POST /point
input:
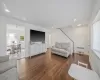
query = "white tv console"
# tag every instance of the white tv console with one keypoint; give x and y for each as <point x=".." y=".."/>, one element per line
<point x="37" y="48"/>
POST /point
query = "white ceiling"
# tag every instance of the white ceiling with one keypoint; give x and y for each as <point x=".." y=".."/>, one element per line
<point x="48" y="13"/>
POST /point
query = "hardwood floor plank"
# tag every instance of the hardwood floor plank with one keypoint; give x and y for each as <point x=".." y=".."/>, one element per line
<point x="48" y="67"/>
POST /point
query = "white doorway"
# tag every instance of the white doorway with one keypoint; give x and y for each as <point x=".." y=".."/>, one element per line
<point x="15" y="41"/>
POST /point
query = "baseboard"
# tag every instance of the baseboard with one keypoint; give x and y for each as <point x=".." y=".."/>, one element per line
<point x="82" y="54"/>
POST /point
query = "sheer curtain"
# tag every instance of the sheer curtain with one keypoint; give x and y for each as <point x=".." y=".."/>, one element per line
<point x="96" y="36"/>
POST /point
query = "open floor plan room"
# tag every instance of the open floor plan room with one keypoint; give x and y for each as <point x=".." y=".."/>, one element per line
<point x="49" y="39"/>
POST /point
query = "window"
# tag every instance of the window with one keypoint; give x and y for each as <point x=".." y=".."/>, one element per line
<point x="96" y="36"/>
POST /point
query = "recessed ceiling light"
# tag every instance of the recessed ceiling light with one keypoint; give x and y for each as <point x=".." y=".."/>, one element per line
<point x="74" y="20"/>
<point x="79" y="24"/>
<point x="7" y="10"/>
<point x="52" y="27"/>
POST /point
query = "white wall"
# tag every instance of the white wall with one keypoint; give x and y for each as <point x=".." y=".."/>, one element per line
<point x="2" y="37"/>
<point x="27" y="32"/>
<point x="78" y="34"/>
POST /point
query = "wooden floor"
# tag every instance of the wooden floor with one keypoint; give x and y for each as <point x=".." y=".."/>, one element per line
<point x="48" y="67"/>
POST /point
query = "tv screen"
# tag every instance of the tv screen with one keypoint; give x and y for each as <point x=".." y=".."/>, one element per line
<point x="37" y="36"/>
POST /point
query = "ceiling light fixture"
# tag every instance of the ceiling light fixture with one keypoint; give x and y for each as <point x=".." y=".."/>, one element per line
<point x="79" y="24"/>
<point x="74" y="20"/>
<point x="7" y="10"/>
<point x="52" y="27"/>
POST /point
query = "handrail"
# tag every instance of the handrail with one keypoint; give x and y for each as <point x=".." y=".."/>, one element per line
<point x="67" y="37"/>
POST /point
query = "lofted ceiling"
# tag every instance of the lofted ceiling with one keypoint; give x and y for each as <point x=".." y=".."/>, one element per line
<point x="49" y="13"/>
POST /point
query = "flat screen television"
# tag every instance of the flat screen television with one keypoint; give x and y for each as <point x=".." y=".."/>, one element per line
<point x="37" y="36"/>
